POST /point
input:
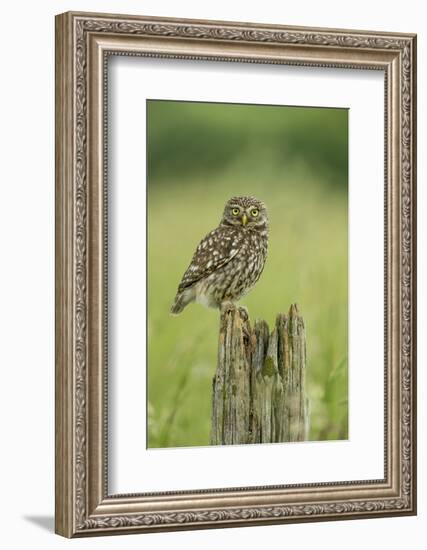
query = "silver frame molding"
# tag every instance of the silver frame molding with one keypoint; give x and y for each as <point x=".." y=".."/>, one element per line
<point x="83" y="43"/>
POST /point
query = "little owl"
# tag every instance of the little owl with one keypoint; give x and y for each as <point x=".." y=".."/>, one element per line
<point x="229" y="260"/>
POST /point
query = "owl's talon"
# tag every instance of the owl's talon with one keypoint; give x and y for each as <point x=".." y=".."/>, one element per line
<point x="244" y="313"/>
<point x="227" y="306"/>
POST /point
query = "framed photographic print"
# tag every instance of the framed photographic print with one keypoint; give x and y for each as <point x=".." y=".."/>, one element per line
<point x="235" y="274"/>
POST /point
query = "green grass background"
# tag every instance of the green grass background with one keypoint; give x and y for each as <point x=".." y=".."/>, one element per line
<point x="295" y="160"/>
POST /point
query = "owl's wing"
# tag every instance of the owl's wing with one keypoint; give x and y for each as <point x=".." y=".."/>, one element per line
<point x="214" y="251"/>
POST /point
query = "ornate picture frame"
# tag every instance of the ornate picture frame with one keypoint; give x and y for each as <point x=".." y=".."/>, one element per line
<point x="84" y="42"/>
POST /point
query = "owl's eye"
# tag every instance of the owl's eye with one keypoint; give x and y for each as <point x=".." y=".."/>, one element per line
<point x="254" y="212"/>
<point x="236" y="211"/>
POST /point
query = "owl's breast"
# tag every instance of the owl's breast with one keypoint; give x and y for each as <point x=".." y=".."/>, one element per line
<point x="238" y="276"/>
<point x="246" y="267"/>
<point x="257" y="244"/>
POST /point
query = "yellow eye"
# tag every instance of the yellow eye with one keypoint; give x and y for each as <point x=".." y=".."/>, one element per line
<point x="236" y="211"/>
<point x="254" y="212"/>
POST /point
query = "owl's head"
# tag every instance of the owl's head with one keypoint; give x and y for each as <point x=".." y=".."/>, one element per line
<point x="247" y="212"/>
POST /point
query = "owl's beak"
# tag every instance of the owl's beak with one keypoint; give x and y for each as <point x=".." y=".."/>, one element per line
<point x="244" y="219"/>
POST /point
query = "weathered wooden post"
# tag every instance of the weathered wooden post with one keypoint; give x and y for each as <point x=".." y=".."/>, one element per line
<point x="258" y="393"/>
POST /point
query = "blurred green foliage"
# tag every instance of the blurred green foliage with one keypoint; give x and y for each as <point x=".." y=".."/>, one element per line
<point x="295" y="160"/>
<point x="205" y="138"/>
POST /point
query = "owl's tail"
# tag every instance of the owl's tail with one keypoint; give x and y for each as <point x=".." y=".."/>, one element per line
<point x="182" y="299"/>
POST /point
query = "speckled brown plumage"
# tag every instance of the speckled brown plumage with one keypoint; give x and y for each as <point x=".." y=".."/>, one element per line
<point x="230" y="259"/>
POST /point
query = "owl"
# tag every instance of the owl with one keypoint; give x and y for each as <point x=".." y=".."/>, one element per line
<point x="229" y="260"/>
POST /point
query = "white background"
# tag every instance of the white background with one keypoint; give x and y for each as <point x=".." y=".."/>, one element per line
<point x="362" y="456"/>
<point x="26" y="299"/>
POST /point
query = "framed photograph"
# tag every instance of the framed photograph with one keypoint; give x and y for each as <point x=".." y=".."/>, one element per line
<point x="235" y="274"/>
